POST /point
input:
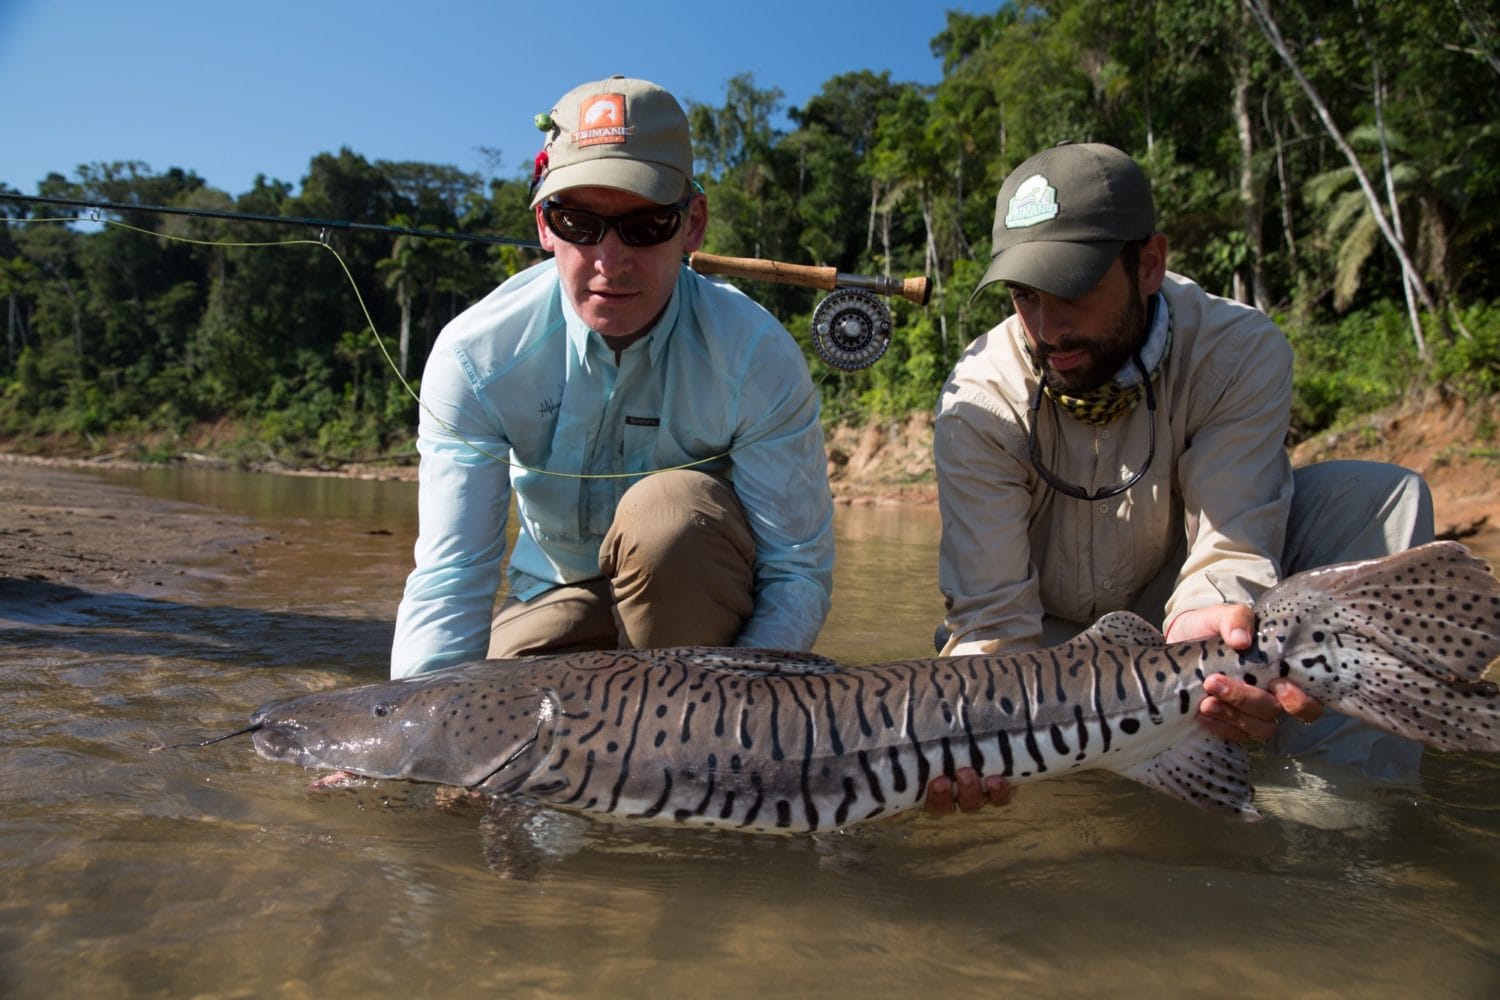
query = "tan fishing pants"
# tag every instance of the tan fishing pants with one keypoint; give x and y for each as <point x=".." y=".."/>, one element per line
<point x="678" y="567"/>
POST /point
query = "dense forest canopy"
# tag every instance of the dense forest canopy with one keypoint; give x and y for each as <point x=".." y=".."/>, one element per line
<point x="1337" y="164"/>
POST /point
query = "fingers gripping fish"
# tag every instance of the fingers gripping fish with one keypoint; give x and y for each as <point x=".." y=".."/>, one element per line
<point x="763" y="740"/>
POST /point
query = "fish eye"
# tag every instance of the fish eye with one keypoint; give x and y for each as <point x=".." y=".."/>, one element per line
<point x="383" y="709"/>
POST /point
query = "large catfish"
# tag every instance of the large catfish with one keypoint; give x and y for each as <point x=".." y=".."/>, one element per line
<point x="763" y="741"/>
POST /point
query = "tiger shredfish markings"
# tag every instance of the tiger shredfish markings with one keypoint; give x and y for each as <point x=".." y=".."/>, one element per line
<point x="770" y="741"/>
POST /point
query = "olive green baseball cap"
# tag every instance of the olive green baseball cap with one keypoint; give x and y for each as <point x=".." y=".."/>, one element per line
<point x="617" y="133"/>
<point x="1062" y="216"/>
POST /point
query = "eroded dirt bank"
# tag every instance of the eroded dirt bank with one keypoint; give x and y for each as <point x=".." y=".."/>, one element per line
<point x="1453" y="446"/>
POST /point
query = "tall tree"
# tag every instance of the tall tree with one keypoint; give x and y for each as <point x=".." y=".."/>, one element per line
<point x="1272" y="31"/>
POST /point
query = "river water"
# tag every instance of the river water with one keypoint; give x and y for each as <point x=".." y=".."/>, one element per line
<point x="127" y="870"/>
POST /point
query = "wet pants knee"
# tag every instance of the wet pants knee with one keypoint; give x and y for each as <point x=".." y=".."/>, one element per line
<point x="677" y="568"/>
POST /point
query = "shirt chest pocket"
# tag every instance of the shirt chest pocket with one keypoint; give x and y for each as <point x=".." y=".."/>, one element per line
<point x="636" y="454"/>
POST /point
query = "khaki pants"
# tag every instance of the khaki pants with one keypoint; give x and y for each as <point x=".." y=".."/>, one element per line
<point x="678" y="566"/>
<point x="1341" y="511"/>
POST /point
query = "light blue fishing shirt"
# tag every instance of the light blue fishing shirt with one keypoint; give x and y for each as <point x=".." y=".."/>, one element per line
<point x="519" y="395"/>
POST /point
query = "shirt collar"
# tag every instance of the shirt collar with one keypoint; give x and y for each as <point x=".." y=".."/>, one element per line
<point x="580" y="336"/>
<point x="1154" y="350"/>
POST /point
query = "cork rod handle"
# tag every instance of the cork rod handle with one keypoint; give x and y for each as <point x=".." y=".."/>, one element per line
<point x="757" y="269"/>
<point x="916" y="290"/>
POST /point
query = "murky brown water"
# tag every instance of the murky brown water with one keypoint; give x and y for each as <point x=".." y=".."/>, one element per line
<point x="209" y="872"/>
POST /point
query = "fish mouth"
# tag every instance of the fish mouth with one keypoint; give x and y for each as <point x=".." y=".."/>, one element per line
<point x="282" y="742"/>
<point x="273" y="741"/>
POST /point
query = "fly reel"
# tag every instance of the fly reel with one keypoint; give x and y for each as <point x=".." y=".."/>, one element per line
<point x="851" y="329"/>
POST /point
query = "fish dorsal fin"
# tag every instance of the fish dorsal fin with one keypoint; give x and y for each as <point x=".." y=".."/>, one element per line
<point x="1202" y="770"/>
<point x="753" y="662"/>
<point x="1125" y="628"/>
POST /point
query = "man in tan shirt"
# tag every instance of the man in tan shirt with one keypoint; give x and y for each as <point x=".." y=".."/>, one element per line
<point x="1118" y="443"/>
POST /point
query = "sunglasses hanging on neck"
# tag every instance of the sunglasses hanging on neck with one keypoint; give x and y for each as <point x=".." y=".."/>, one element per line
<point x="1073" y="489"/>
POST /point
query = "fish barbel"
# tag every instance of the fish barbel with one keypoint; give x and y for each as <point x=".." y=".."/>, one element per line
<point x="771" y="741"/>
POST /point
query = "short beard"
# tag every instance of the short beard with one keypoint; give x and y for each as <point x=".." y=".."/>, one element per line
<point x="1107" y="355"/>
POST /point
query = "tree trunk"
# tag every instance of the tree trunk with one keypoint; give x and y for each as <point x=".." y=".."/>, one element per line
<point x="1408" y="278"/>
<point x="930" y="266"/>
<point x="1272" y="33"/>
<point x="1250" y="196"/>
<point x="403" y="300"/>
<point x="885" y="240"/>
<point x="1288" y="231"/>
<point x="67" y="287"/>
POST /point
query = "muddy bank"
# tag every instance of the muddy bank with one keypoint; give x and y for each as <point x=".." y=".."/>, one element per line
<point x="61" y="525"/>
<point x="1452" y="445"/>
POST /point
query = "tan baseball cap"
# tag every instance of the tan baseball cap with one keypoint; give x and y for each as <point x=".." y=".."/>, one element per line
<point x="616" y="133"/>
<point x="1062" y="216"/>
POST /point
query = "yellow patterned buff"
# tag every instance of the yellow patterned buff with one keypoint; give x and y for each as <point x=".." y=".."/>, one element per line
<point x="1103" y="405"/>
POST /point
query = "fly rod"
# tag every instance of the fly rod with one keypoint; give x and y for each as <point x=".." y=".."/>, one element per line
<point x="851" y="326"/>
<point x="917" y="290"/>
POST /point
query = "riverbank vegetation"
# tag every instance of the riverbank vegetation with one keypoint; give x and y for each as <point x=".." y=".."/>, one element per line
<point x="1336" y="165"/>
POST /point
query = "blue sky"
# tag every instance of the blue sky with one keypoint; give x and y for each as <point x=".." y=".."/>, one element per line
<point x="232" y="89"/>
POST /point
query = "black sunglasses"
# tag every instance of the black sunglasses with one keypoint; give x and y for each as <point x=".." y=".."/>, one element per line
<point x="645" y="227"/>
<point x="1073" y="489"/>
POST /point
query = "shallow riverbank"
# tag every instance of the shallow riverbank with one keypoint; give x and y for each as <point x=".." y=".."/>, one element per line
<point x="67" y="527"/>
<point x="64" y="526"/>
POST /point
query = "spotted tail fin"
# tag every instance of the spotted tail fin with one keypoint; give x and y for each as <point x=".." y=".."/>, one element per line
<point x="1402" y="642"/>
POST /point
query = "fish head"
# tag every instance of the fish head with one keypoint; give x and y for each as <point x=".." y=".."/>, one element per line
<point x="487" y="733"/>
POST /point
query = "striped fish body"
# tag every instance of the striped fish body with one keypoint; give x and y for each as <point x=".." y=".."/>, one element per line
<point x="761" y="740"/>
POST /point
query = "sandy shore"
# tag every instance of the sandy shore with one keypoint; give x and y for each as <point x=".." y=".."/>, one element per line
<point x="59" y="524"/>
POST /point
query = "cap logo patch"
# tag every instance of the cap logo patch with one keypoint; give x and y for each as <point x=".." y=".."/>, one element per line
<point x="1035" y="201"/>
<point x="601" y="119"/>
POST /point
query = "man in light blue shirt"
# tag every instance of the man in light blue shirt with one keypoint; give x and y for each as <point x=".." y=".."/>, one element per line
<point x="659" y="431"/>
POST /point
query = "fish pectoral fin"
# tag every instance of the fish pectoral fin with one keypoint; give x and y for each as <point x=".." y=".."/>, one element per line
<point x="1202" y="770"/>
<point x="520" y="837"/>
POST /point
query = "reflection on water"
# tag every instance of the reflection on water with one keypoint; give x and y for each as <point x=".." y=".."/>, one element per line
<point x="129" y="870"/>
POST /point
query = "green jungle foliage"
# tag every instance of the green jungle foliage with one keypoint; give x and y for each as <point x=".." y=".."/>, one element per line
<point x="1307" y="179"/>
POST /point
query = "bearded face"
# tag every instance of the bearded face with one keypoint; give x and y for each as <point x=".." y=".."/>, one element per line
<point x="1105" y="354"/>
<point x="1079" y="344"/>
